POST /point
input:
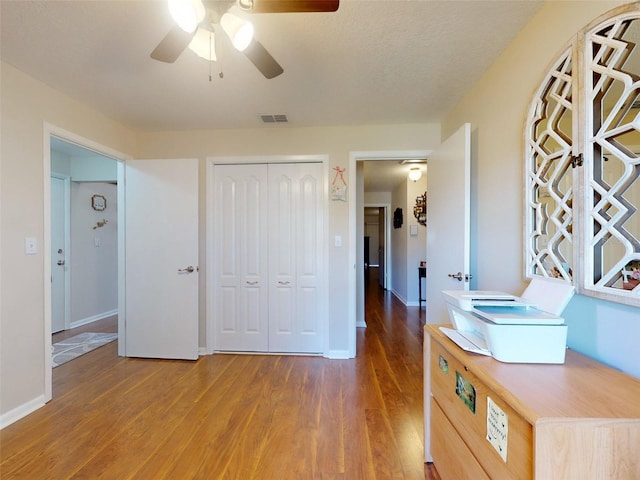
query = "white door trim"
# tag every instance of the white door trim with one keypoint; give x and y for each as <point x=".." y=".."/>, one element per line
<point x="67" y="244"/>
<point x="49" y="131"/>
<point x="358" y="156"/>
<point x="210" y="235"/>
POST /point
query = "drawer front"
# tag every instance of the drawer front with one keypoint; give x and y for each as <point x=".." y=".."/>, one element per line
<point x="463" y="399"/>
<point x="452" y="458"/>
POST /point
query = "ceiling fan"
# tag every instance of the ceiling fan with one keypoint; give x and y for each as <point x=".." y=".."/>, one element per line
<point x="195" y="21"/>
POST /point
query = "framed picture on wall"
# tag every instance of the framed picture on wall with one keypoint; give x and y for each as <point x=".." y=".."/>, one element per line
<point x="98" y="202"/>
<point x="397" y="218"/>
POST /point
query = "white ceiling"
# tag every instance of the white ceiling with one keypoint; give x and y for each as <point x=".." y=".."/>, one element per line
<point x="371" y="62"/>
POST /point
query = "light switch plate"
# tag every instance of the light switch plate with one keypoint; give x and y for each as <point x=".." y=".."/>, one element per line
<point x="30" y="246"/>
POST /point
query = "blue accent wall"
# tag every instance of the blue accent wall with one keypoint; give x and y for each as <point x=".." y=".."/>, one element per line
<point x="606" y="331"/>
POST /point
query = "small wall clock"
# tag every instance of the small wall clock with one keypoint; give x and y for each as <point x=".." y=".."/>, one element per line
<point x="98" y="202"/>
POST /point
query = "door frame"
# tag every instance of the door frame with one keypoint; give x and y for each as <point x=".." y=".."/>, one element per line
<point x="210" y="235"/>
<point x="67" y="242"/>
<point x="49" y="131"/>
<point x="356" y="275"/>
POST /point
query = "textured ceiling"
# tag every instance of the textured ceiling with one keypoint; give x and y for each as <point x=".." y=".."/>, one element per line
<point x="372" y="62"/>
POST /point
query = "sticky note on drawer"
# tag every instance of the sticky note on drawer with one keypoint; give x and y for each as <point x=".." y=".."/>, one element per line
<point x="497" y="428"/>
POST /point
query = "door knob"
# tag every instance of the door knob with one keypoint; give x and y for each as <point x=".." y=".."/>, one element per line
<point x="60" y="262"/>
<point x="458" y="276"/>
<point x="189" y="269"/>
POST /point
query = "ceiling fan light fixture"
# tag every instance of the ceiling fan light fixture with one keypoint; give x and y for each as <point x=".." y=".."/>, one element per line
<point x="415" y="173"/>
<point x="239" y="31"/>
<point x="204" y="44"/>
<point x="187" y="13"/>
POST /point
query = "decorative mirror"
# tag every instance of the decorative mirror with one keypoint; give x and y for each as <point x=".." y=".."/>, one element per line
<point x="582" y="164"/>
<point x="612" y="152"/>
<point x="420" y="209"/>
<point x="549" y="179"/>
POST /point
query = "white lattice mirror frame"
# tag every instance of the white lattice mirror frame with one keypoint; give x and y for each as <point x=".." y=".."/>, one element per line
<point x="582" y="163"/>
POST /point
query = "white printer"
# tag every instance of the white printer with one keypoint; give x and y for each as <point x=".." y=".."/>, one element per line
<point x="524" y="329"/>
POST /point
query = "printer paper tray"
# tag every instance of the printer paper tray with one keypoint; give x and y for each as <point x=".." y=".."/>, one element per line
<point x="470" y="342"/>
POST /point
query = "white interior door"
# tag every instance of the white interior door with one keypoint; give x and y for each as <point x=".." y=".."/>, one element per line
<point x="241" y="258"/>
<point x="295" y="257"/>
<point x="448" y="221"/>
<point x="59" y="245"/>
<point x="161" y="258"/>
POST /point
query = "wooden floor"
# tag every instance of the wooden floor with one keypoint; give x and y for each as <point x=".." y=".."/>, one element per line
<point x="235" y="416"/>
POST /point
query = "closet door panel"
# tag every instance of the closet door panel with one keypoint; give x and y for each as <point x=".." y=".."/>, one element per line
<point x="241" y="258"/>
<point x="282" y="246"/>
<point x="296" y="217"/>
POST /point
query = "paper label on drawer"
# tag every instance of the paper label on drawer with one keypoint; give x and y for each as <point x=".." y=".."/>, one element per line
<point x="497" y="428"/>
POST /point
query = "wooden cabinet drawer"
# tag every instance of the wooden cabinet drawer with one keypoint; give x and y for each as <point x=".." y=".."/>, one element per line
<point x="463" y="399"/>
<point x="450" y="454"/>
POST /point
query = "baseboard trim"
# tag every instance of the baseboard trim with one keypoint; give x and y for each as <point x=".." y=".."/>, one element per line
<point x="399" y="297"/>
<point x="22" y="411"/>
<point x="338" y="355"/>
<point x="93" y="318"/>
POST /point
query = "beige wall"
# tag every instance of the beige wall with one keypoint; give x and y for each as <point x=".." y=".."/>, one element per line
<point x="94" y="268"/>
<point x="399" y="236"/>
<point x="26" y="105"/>
<point x="416" y="246"/>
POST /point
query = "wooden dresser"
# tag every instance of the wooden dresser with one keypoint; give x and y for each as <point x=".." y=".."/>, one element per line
<point x="487" y="419"/>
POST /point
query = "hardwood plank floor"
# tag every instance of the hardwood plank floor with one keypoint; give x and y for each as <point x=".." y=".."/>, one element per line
<point x="235" y="416"/>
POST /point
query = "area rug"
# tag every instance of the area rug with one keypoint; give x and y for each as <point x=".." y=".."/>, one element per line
<point x="72" y="347"/>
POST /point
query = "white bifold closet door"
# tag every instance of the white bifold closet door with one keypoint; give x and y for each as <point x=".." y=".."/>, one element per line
<point x="241" y="260"/>
<point x="295" y="254"/>
<point x="268" y="260"/>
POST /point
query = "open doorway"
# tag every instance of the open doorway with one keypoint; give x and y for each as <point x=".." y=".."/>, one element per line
<point x="357" y="202"/>
<point x="81" y="246"/>
<point x="377" y="244"/>
<point x="84" y="250"/>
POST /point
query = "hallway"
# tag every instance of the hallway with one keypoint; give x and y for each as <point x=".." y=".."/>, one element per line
<point x="236" y="416"/>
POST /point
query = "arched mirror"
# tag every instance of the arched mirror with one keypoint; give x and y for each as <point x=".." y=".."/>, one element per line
<point x="582" y="163"/>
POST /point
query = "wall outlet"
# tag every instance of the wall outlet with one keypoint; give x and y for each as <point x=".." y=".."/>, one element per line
<point x="97" y="242"/>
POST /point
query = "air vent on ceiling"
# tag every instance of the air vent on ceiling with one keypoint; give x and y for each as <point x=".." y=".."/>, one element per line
<point x="279" y="118"/>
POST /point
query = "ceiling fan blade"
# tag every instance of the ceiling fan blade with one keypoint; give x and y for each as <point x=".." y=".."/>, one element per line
<point x="263" y="60"/>
<point x="294" y="6"/>
<point x="172" y="45"/>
